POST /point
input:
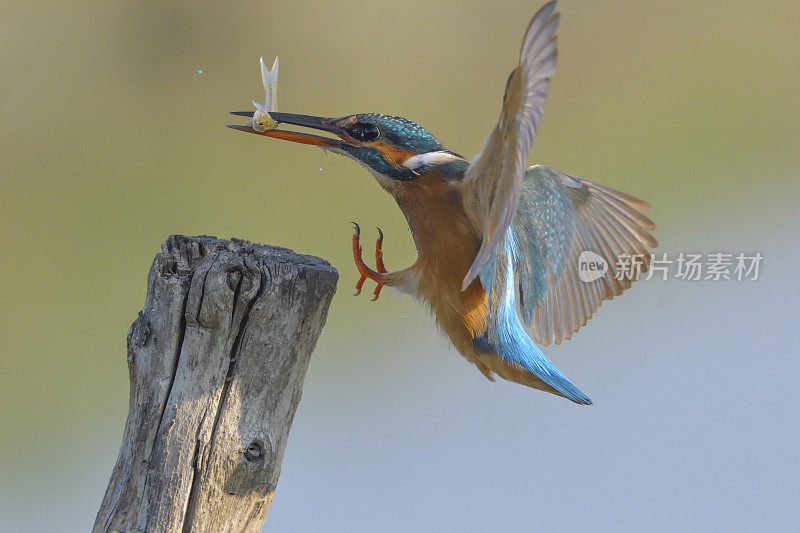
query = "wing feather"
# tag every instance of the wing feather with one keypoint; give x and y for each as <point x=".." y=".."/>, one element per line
<point x="569" y="216"/>
<point x="494" y="179"/>
<point x="548" y="217"/>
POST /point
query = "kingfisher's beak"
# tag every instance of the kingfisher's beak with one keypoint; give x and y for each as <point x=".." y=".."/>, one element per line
<point x="306" y="121"/>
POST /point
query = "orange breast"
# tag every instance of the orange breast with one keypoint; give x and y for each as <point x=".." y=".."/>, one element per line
<point x="447" y="245"/>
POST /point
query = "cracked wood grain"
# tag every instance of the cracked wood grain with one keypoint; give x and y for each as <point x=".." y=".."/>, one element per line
<point x="217" y="359"/>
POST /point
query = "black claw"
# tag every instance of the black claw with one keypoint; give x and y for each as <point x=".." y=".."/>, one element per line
<point x="358" y="230"/>
<point x="380" y="234"/>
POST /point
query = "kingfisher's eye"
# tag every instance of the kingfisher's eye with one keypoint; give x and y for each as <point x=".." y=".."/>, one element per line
<point x="365" y="132"/>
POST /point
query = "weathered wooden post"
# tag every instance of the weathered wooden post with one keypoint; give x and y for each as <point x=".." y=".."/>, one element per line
<point x="217" y="359"/>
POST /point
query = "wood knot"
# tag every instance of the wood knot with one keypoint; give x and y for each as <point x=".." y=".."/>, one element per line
<point x="254" y="452"/>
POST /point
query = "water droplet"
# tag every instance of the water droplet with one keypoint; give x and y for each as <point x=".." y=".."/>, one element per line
<point x="320" y="169"/>
<point x="200" y="71"/>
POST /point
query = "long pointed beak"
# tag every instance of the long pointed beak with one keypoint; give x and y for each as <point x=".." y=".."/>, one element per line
<point x="306" y="121"/>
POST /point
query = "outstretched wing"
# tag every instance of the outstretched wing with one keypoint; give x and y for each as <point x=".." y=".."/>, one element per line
<point x="492" y="182"/>
<point x="559" y="218"/>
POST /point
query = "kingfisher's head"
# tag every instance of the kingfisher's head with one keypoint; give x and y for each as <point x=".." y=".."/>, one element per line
<point x="392" y="148"/>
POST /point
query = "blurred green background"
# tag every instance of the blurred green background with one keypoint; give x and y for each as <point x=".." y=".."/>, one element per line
<point x="112" y="138"/>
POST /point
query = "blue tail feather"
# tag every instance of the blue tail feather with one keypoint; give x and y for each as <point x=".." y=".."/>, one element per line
<point x="507" y="337"/>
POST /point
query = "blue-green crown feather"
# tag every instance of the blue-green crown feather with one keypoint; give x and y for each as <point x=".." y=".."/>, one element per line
<point x="402" y="132"/>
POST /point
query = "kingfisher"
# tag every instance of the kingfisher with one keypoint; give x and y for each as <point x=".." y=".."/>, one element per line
<point x="499" y="245"/>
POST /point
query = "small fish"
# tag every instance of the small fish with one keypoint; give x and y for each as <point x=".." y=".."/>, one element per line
<point x="261" y="119"/>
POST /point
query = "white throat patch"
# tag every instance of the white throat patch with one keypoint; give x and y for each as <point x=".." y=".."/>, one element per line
<point x="430" y="159"/>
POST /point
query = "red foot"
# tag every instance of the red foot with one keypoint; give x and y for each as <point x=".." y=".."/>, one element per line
<point x="363" y="269"/>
